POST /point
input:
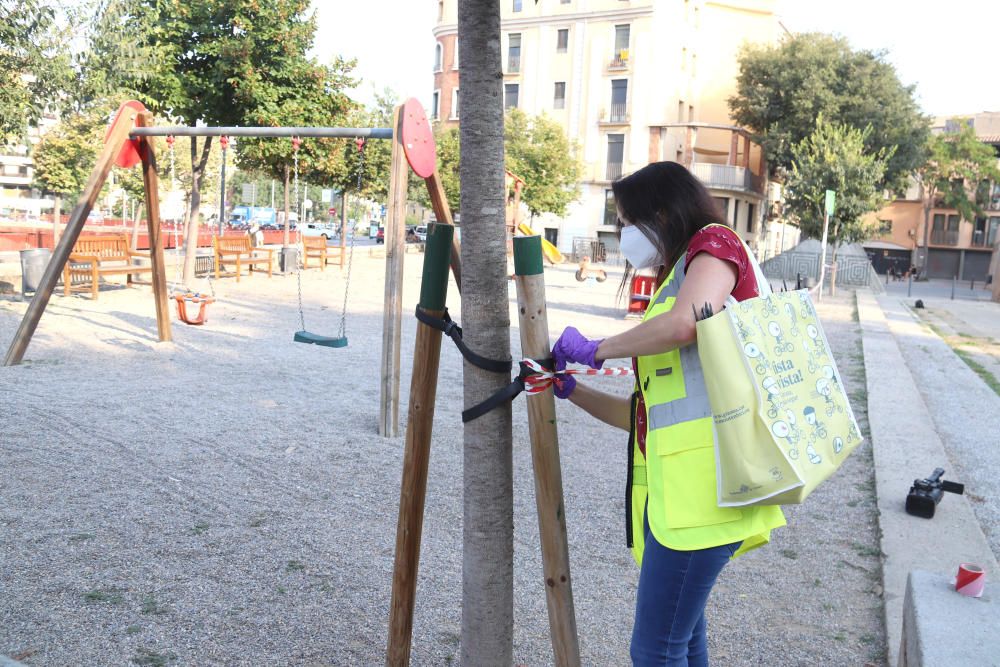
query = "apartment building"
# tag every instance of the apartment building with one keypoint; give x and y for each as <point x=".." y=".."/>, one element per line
<point x="631" y="81"/>
<point x="18" y="199"/>
<point x="951" y="247"/>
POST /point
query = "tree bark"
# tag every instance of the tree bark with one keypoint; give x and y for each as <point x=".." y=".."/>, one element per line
<point x="487" y="566"/>
<point x="197" y="172"/>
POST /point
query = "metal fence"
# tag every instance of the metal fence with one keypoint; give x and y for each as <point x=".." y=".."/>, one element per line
<point x="851" y="271"/>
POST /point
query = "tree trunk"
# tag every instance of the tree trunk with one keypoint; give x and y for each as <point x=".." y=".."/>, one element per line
<point x="56" y="219"/>
<point x="197" y="172"/>
<point x="487" y="566"/>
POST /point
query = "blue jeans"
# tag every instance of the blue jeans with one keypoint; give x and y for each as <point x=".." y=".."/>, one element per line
<point x="674" y="585"/>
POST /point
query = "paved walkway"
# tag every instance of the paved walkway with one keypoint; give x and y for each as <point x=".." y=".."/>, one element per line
<point x="928" y="409"/>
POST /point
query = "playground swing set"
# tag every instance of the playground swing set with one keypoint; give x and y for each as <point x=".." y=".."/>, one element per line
<point x="127" y="144"/>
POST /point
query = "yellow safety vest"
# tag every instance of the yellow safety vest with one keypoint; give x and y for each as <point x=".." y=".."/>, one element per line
<point x="675" y="481"/>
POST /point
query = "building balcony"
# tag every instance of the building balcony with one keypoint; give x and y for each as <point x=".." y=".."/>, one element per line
<point x="619" y="62"/>
<point x="616" y="114"/>
<point x="613" y="171"/>
<point x="728" y="177"/>
<point x="944" y="237"/>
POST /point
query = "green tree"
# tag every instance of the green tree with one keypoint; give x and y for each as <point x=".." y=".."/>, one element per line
<point x="538" y="150"/>
<point x="34" y="67"/>
<point x="834" y="157"/>
<point x="782" y="89"/>
<point x="237" y="62"/>
<point x="64" y="158"/>
<point x="957" y="164"/>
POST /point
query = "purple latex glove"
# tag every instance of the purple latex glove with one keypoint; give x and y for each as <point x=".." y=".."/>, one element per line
<point x="563" y="385"/>
<point x="574" y="347"/>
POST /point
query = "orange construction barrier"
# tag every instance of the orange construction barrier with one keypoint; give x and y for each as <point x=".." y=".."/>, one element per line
<point x="640" y="292"/>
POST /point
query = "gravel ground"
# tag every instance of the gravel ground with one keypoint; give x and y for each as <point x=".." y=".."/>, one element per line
<point x="966" y="419"/>
<point x="223" y="499"/>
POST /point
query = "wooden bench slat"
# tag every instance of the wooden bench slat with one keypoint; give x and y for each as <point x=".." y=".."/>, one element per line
<point x="96" y="256"/>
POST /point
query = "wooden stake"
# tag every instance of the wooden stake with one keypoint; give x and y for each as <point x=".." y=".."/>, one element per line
<point x="534" y="328"/>
<point x="151" y="185"/>
<point x="388" y="423"/>
<point x="439" y="202"/>
<point x="117" y="135"/>
<point x="423" y="391"/>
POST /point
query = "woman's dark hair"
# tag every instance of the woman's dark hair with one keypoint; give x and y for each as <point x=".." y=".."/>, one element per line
<point x="668" y="204"/>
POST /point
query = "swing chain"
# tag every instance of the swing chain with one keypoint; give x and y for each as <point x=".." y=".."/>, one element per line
<point x="300" y="266"/>
<point x="350" y="256"/>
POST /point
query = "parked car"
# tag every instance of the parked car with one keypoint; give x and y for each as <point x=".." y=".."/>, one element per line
<point x="421" y="231"/>
<point x="380" y="235"/>
<point x="317" y="229"/>
<point x="95" y="217"/>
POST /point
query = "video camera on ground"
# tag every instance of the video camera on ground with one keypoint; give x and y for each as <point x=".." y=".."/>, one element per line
<point x="925" y="494"/>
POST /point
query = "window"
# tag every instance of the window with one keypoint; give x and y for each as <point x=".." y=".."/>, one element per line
<point x="517" y="5"/>
<point x="610" y="211"/>
<point x="690" y="113"/>
<point x="619" y="95"/>
<point x="510" y="91"/>
<point x="435" y="104"/>
<point x="616" y="155"/>
<point x="750" y="219"/>
<point x="621" y="38"/>
<point x="514" y="53"/>
<point x="562" y="40"/>
<point x="559" y="98"/>
<point x="680" y="111"/>
<point x="438" y="56"/>
<point x="552" y="235"/>
<point x="945" y="229"/>
<point x="736" y="214"/>
<point x="993" y="232"/>
<point x="454" y="104"/>
<point x="723" y="204"/>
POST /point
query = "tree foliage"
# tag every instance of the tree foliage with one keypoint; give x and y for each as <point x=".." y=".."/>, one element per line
<point x="34" y="67"/>
<point x="782" y="89"/>
<point x="536" y="148"/>
<point x="834" y="157"/>
<point x="66" y="155"/>
<point x="957" y="163"/>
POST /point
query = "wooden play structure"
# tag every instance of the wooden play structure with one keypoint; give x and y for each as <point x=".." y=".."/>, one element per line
<point x="239" y="250"/>
<point x="128" y="143"/>
<point x="587" y="271"/>
<point x="95" y="256"/>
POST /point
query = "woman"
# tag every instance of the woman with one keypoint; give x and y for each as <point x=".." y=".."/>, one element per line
<point x="680" y="537"/>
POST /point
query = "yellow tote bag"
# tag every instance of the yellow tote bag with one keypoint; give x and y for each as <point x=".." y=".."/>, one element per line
<point x="782" y="420"/>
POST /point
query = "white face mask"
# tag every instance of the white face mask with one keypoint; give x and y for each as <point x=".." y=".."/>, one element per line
<point x="637" y="249"/>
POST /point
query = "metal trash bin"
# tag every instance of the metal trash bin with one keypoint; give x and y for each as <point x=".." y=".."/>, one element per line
<point x="33" y="263"/>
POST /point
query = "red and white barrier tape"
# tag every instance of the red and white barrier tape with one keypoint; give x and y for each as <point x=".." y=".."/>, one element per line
<point x="542" y="380"/>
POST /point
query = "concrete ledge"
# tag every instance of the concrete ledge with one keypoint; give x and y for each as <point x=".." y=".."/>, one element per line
<point x="944" y="628"/>
<point x="905" y="446"/>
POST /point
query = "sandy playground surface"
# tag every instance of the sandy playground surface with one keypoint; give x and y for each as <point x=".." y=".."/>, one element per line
<point x="224" y="498"/>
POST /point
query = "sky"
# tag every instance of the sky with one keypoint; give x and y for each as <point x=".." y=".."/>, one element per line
<point x="947" y="49"/>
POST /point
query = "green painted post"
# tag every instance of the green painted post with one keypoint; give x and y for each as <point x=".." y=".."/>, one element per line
<point x="416" y="454"/>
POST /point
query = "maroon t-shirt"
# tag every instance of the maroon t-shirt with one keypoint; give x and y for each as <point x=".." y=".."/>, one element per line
<point x="721" y="242"/>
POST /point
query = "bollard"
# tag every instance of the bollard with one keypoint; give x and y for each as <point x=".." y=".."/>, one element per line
<point x="909" y="284"/>
<point x="954" y="279"/>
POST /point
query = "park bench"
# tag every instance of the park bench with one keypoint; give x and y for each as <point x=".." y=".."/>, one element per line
<point x="240" y="250"/>
<point x="96" y="256"/>
<point x="316" y="247"/>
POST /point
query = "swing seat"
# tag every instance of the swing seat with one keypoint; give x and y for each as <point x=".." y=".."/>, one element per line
<point x="316" y="339"/>
<point x="193" y="297"/>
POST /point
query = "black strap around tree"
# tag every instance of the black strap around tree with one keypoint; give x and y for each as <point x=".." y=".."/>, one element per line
<point x="451" y="329"/>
